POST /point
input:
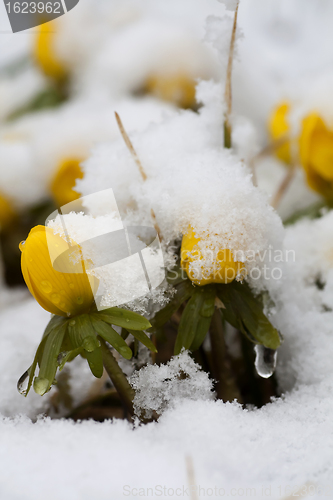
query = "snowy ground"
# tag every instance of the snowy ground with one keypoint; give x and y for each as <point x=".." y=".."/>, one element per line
<point x="237" y="453"/>
<point x="285" y="447"/>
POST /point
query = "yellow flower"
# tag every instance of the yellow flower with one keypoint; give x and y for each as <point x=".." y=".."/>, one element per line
<point x="208" y="266"/>
<point x="178" y="89"/>
<point x="315" y="148"/>
<point x="7" y="213"/>
<point x="64" y="181"/>
<point x="316" y="154"/>
<point x="66" y="293"/>
<point x="45" y="54"/>
<point x="279" y="127"/>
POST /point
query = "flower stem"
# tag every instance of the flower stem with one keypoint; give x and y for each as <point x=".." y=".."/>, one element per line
<point x="228" y="89"/>
<point x="117" y="377"/>
<point x="226" y="386"/>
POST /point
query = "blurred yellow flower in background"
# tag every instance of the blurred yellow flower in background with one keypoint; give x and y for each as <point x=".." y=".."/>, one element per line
<point x="316" y="154"/>
<point x="278" y="128"/>
<point x="45" y="53"/>
<point x="64" y="181"/>
<point x="315" y="148"/>
<point x="7" y="212"/>
<point x="66" y="293"/>
<point x="213" y="267"/>
<point x="178" y="89"/>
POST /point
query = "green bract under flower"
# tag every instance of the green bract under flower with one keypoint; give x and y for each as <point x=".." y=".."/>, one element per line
<point x="66" y="338"/>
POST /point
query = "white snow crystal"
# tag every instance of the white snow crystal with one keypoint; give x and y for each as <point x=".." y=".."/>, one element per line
<point x="160" y="387"/>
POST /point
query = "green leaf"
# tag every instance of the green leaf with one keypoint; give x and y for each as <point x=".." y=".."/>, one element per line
<point x="123" y="318"/>
<point x="95" y="361"/>
<point x="48" y="98"/>
<point x="54" y="322"/>
<point x="82" y="333"/>
<point x="314" y="211"/>
<point x="196" y="318"/>
<point x="144" y="339"/>
<point x="49" y="359"/>
<point x="86" y="332"/>
<point x="112" y="337"/>
<point x="183" y="292"/>
<point x="206" y="313"/>
<point x="32" y="369"/>
<point x="74" y="334"/>
<point x="244" y="311"/>
<point x="69" y="356"/>
<point x="176" y="275"/>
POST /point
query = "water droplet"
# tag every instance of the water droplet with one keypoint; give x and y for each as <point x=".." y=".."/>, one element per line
<point x="41" y="385"/>
<point x="265" y="361"/>
<point x="22" y="384"/>
<point x="61" y="357"/>
<point x="21" y="245"/>
<point x="46" y="286"/>
<point x="72" y="322"/>
<point x="127" y="320"/>
<point x="71" y="286"/>
<point x="55" y="298"/>
<point x="79" y="300"/>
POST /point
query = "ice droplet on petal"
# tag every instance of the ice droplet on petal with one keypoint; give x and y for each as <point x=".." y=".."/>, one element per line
<point x="265" y="361"/>
<point x="22" y="384"/>
<point x="46" y="286"/>
<point x="55" y="298"/>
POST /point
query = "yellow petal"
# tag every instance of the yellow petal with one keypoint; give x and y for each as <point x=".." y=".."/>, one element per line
<point x="65" y="293"/>
<point x="7" y="212"/>
<point x="221" y="268"/>
<point x="316" y="154"/>
<point x="45" y="52"/>
<point x="64" y="181"/>
<point x="278" y="127"/>
<point x="178" y="89"/>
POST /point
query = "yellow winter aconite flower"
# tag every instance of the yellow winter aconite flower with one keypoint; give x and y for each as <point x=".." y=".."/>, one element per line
<point x="64" y="181"/>
<point x="208" y="266"/>
<point x="315" y="148"/>
<point x="316" y="154"/>
<point x="279" y="127"/>
<point x="66" y="293"/>
<point x="45" y="53"/>
<point x="7" y="212"/>
<point x="178" y="89"/>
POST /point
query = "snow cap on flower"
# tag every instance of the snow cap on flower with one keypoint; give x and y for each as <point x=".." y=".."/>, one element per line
<point x="191" y="180"/>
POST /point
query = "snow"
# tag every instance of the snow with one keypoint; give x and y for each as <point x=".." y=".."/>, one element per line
<point x="191" y="181"/>
<point x="174" y="155"/>
<point x="34" y="146"/>
<point x="159" y="387"/>
<point x="276" y="447"/>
